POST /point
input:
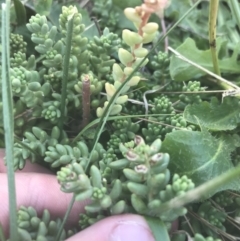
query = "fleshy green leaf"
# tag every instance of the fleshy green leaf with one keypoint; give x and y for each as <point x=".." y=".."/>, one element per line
<point x="43" y="7"/>
<point x="181" y="70"/>
<point x="158" y="228"/>
<point x="200" y="156"/>
<point x="20" y="12"/>
<point x="213" y="115"/>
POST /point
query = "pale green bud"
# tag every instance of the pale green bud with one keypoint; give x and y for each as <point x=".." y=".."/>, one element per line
<point x="34" y="86"/>
<point x="110" y="89"/>
<point x="44" y="29"/>
<point x="122" y="99"/>
<point x="134" y="81"/>
<point x="119" y="164"/>
<point x="96" y="177"/>
<point x="155" y="146"/>
<point x="116" y="110"/>
<point x="117" y="85"/>
<point x="138" y="204"/>
<point x="65" y="159"/>
<point x="158" y="179"/>
<point x="140" y="52"/>
<point x="37" y="40"/>
<point x="116" y="189"/>
<point x="99" y="112"/>
<point x="133" y="176"/>
<point x="118" y="208"/>
<point x="124" y="56"/>
<point x="128" y="70"/>
<point x="117" y="72"/>
<point x="41" y="49"/>
<point x="148" y="38"/>
<point x="137" y="62"/>
<point x="154" y="204"/>
<point x="93" y="207"/>
<point x="106" y="202"/>
<point x="123" y="148"/>
<point x="150" y="28"/>
<point x="48" y="43"/>
<point x="84" y="195"/>
<point x="132" y="15"/>
<point x="131" y="38"/>
<point x="137" y="188"/>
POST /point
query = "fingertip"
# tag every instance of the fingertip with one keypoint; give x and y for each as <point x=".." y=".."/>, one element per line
<point x="116" y="228"/>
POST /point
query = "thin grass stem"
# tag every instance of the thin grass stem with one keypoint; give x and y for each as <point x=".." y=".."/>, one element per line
<point x="85" y="101"/>
<point x="65" y="219"/>
<point x="65" y="71"/>
<point x="8" y="119"/>
<point x="235" y="9"/>
<point x="225" y="84"/>
<point x="213" y="11"/>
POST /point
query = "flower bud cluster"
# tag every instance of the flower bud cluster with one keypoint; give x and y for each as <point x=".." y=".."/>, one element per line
<point x="108" y="13"/>
<point x="167" y="121"/>
<point x="159" y="63"/>
<point x="192" y="86"/>
<point x="199" y="237"/>
<point x="212" y="215"/>
<point x="18" y="59"/>
<point x="224" y="199"/>
<point x="17" y="44"/>
<point x="25" y="84"/>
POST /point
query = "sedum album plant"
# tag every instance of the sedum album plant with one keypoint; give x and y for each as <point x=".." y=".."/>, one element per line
<point x="120" y="121"/>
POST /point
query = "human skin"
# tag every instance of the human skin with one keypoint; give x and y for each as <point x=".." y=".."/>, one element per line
<point x="38" y="187"/>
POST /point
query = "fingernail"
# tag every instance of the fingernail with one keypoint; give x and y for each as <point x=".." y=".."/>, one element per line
<point x="129" y="231"/>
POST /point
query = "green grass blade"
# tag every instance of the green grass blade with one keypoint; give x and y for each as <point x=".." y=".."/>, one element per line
<point x="235" y="9"/>
<point x="65" y="71"/>
<point x="8" y="120"/>
<point x="65" y="219"/>
<point x="158" y="228"/>
<point x="20" y="12"/>
<point x="63" y="102"/>
<point x="2" y="237"/>
<point x="110" y="118"/>
<point x="106" y="113"/>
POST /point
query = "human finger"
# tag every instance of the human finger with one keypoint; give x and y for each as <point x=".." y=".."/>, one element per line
<point x="29" y="167"/>
<point x="126" y="227"/>
<point x="40" y="191"/>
